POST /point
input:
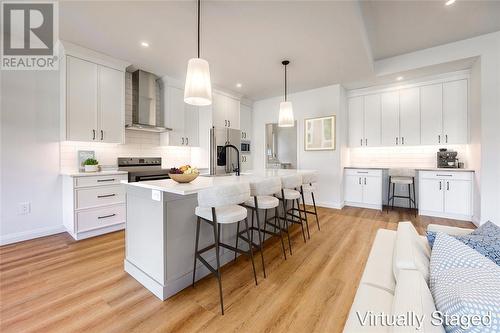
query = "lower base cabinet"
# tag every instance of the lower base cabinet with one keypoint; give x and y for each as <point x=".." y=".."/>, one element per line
<point x="363" y="188"/>
<point x="93" y="205"/>
<point x="446" y="194"/>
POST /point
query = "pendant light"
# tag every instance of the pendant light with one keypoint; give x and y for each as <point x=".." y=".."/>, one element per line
<point x="286" y="112"/>
<point x="198" y="89"/>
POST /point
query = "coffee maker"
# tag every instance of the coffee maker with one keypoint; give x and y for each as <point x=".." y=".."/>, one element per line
<point x="447" y="158"/>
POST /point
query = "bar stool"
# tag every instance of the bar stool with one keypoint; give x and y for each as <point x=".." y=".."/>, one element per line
<point x="262" y="198"/>
<point x="401" y="176"/>
<point x="309" y="179"/>
<point x="218" y="206"/>
<point x="289" y="185"/>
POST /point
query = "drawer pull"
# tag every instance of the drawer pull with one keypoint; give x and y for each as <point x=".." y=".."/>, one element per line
<point x="444" y="175"/>
<point x="362" y="171"/>
<point x="106" y="195"/>
<point x="106" y="180"/>
<point x="106" y="216"/>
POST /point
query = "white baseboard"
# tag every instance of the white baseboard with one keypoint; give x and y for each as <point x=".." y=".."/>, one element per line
<point x="31" y="234"/>
<point x="446" y="215"/>
<point x="334" y="205"/>
<point x="363" y="205"/>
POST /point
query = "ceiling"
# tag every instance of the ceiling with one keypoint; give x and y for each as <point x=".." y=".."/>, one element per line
<point x="327" y="42"/>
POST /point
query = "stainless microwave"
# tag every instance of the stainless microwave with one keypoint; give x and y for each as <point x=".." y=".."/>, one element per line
<point x="245" y="147"/>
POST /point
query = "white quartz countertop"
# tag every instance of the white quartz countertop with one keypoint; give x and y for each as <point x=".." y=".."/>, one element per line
<point x="89" y="174"/>
<point x="417" y="168"/>
<point x="203" y="182"/>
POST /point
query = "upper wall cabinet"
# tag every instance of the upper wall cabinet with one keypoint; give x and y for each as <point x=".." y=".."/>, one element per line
<point x="225" y="111"/>
<point x="364" y="121"/>
<point x="444" y="113"/>
<point x="426" y="113"/>
<point x="182" y="118"/>
<point x="92" y="96"/>
<point x="246" y="122"/>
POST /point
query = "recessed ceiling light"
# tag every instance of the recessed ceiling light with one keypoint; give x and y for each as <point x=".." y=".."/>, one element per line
<point x="238" y="85"/>
<point x="144" y="44"/>
<point x="450" y="2"/>
<point x="399" y="78"/>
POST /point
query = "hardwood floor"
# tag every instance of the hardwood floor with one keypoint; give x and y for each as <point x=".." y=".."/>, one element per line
<point x="54" y="284"/>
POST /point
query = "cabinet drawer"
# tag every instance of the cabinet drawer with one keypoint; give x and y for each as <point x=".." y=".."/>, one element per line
<point x="100" y="217"/>
<point x="99" y="180"/>
<point x="364" y="172"/>
<point x="99" y="196"/>
<point x="445" y="175"/>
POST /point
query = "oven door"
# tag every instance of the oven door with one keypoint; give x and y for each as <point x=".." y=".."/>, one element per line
<point x="150" y="177"/>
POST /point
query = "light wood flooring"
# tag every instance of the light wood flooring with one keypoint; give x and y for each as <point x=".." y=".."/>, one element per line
<point x="54" y="284"/>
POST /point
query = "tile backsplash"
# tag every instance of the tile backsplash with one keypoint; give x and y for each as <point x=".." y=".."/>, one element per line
<point x="404" y="157"/>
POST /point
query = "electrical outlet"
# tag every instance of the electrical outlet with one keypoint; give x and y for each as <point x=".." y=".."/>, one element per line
<point x="23" y="208"/>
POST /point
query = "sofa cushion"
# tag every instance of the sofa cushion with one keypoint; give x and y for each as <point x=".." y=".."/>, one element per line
<point x="378" y="269"/>
<point x="455" y="231"/>
<point x="485" y="240"/>
<point x="412" y="296"/>
<point x="464" y="283"/>
<point x="411" y="251"/>
<point x="368" y="300"/>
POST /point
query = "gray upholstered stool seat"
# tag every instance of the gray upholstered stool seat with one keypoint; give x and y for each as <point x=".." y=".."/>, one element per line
<point x="402" y="180"/>
<point x="309" y="187"/>
<point x="225" y="214"/>
<point x="405" y="177"/>
<point x="309" y="180"/>
<point x="264" y="202"/>
<point x="289" y="194"/>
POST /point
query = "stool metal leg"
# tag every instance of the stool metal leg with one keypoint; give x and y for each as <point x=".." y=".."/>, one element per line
<point x="414" y="197"/>
<point x="260" y="237"/>
<point x="251" y="250"/>
<point x="216" y="236"/>
<point x="393" y="193"/>
<point x="389" y="195"/>
<point x="237" y="237"/>
<point x="314" y="205"/>
<point x="196" y="247"/>
<point x="409" y="196"/>
<point x="285" y="221"/>
<point x="277" y="220"/>
<point x="305" y="217"/>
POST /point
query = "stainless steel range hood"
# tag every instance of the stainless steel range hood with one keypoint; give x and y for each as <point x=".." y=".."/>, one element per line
<point x="147" y="113"/>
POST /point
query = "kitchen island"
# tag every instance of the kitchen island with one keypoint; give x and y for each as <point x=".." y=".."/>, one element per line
<point x="161" y="225"/>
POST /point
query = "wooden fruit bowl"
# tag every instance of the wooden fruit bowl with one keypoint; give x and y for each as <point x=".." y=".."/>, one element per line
<point x="183" y="177"/>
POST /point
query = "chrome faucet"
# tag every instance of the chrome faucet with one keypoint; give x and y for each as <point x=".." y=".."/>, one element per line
<point x="237" y="170"/>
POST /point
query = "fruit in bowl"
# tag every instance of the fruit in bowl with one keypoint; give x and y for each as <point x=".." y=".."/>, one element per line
<point x="184" y="174"/>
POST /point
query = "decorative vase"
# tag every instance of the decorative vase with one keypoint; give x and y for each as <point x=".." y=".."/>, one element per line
<point x="91" y="168"/>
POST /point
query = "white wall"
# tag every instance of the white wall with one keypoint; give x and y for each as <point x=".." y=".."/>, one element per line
<point x="30" y="154"/>
<point x="308" y="104"/>
<point x="487" y="47"/>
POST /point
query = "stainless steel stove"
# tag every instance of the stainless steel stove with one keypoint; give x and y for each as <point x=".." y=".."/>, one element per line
<point x="142" y="168"/>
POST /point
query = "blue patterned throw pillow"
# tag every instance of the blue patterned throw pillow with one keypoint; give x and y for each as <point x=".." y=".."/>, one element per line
<point x="485" y="240"/>
<point x="464" y="284"/>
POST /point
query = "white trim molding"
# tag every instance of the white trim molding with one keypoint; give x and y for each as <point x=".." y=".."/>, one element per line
<point x="30" y="234"/>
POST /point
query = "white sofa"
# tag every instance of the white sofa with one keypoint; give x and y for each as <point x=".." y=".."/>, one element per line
<point x="394" y="282"/>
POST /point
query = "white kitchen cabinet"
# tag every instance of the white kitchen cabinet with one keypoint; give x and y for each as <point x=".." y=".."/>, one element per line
<point x="455" y="125"/>
<point x="389" y="109"/>
<point x="245" y="162"/>
<point x="111" y="104"/>
<point x="93" y="205"/>
<point x="81" y="100"/>
<point x="356" y="121"/>
<point x="246" y="122"/>
<point x="431" y="113"/>
<point x="409" y="116"/>
<point x="446" y="194"/>
<point x="372" y="121"/>
<point x="92" y="96"/>
<point x="226" y="111"/>
<point x="182" y="118"/>
<point x="363" y="188"/>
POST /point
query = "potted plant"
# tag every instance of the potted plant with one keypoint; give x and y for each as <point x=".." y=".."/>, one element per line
<point x="91" y="165"/>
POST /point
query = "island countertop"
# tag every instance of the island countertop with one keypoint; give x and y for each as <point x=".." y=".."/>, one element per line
<point x="416" y="168"/>
<point x="206" y="181"/>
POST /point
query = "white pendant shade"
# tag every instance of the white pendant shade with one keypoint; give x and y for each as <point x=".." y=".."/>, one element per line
<point x="286" y="115"/>
<point x="198" y="89"/>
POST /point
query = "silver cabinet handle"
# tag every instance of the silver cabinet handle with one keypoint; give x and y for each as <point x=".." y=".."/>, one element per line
<point x="182" y="140"/>
<point x="106" y="216"/>
<point x="365" y="180"/>
<point x="366" y="142"/>
<point x="225" y="121"/>
<point x="360" y="180"/>
<point x="446" y="138"/>
<point x="361" y="171"/>
<point x="402" y="140"/>
<point x="93" y="134"/>
<point x="438" y="175"/>
<point x="106" y="195"/>
<point x="102" y="135"/>
<point x="396" y="140"/>
<point x="106" y="180"/>
<point x="447" y="186"/>
<point x="187" y="141"/>
<point x="439" y="138"/>
<point x="229" y="123"/>
<point x="440" y="186"/>
<point x="361" y="140"/>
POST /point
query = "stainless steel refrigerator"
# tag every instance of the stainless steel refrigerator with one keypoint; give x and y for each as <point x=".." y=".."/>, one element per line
<point x="223" y="162"/>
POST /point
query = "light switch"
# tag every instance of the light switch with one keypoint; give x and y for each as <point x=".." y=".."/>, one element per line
<point x="156" y="195"/>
